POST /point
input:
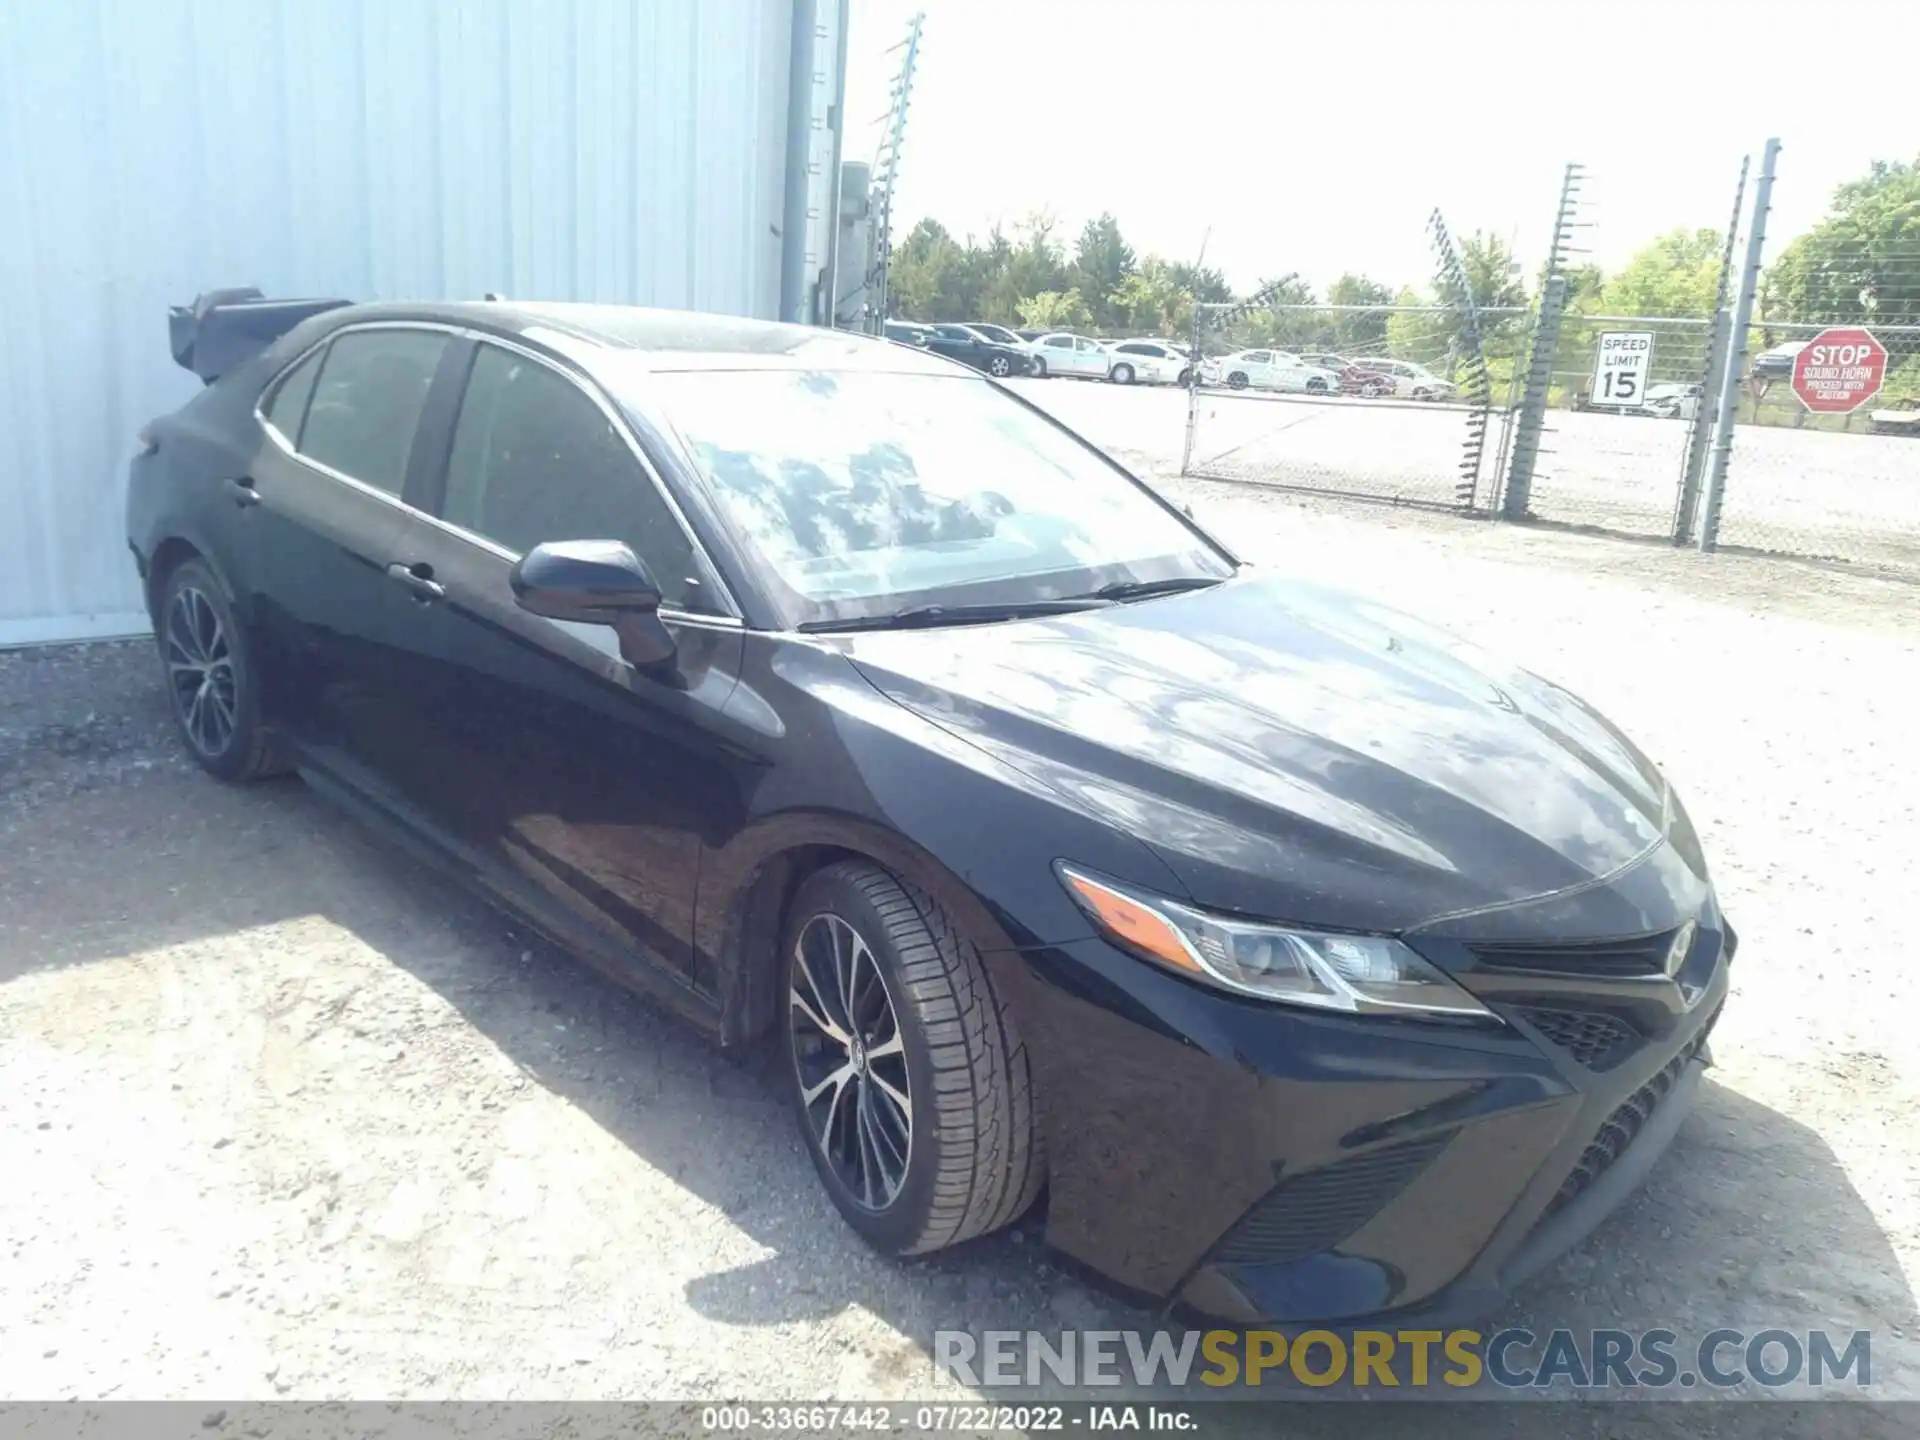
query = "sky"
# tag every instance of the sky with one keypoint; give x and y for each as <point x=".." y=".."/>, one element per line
<point x="1329" y="131"/>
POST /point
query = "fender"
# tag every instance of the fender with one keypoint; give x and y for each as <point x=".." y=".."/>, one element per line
<point x="745" y="887"/>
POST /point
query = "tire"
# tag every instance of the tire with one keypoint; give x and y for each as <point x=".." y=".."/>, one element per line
<point x="1237" y="380"/>
<point x="1185" y="377"/>
<point x="1121" y="375"/>
<point x="1039" y="368"/>
<point x="1373" y="389"/>
<point x="973" y="1160"/>
<point x="212" y="686"/>
<point x="999" y="367"/>
<point x="1316" y="386"/>
<point x="1422" y="393"/>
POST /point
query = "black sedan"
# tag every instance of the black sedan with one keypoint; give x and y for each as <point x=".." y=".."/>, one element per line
<point x="1314" y="964"/>
<point x="957" y="342"/>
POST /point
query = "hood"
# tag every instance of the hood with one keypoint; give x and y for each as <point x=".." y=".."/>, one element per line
<point x="1294" y="753"/>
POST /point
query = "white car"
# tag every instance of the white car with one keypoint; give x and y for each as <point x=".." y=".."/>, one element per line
<point x="1064" y="353"/>
<point x="1269" y="370"/>
<point x="1410" y="381"/>
<point x="1151" y="362"/>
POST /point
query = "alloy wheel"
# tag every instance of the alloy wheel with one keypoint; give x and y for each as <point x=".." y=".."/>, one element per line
<point x="200" y="667"/>
<point x="999" y="367"/>
<point x="850" y="1060"/>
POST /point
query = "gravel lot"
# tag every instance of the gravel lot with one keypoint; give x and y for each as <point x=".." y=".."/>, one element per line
<point x="1802" y="492"/>
<point x="287" y="1117"/>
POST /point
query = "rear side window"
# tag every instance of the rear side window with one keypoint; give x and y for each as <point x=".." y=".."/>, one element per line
<point x="372" y="388"/>
<point x="1058" y="342"/>
<point x="534" y="459"/>
<point x="288" y="406"/>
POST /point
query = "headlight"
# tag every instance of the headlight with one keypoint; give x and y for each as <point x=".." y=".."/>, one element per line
<point x="1358" y="974"/>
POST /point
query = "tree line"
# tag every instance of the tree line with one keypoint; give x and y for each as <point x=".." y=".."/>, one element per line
<point x="1862" y="261"/>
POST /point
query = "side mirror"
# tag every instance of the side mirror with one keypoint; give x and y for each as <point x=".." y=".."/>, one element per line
<point x="595" y="582"/>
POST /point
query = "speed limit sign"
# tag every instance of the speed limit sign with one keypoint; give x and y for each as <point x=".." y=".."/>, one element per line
<point x="1620" y="374"/>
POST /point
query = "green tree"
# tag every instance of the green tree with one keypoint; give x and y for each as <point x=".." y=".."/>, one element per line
<point x="1054" y="310"/>
<point x="924" y="272"/>
<point x="1678" y="274"/>
<point x="1418" y="332"/>
<point x="1358" y="332"/>
<point x="1862" y="262"/>
<point x="1101" y="263"/>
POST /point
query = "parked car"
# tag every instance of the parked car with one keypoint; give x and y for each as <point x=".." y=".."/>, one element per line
<point x="1269" y="370"/>
<point x="1152" y="362"/>
<point x="1670" y="402"/>
<point x="1001" y="335"/>
<point x="1776" y="363"/>
<point x="1030" y="336"/>
<point x="1064" y="353"/>
<point x="1354" y="377"/>
<point x="958" y="342"/>
<point x="852" y="706"/>
<point x="907" y="333"/>
<point x="1408" y="380"/>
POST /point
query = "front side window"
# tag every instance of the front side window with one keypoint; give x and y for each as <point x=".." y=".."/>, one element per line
<point x="859" y="493"/>
<point x="367" y="401"/>
<point x="535" y="459"/>
<point x="1256" y="357"/>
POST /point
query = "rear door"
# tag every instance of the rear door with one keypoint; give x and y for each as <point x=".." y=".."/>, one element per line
<point x="1057" y="352"/>
<point x="320" y="509"/>
<point x="584" y="787"/>
<point x="1090" y="357"/>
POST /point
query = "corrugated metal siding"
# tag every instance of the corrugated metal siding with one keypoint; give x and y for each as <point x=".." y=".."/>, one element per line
<point x="622" y="150"/>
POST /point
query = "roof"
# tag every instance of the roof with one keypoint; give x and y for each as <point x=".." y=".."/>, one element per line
<point x="666" y="339"/>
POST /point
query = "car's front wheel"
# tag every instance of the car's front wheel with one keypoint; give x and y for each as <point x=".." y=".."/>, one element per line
<point x="999" y="367"/>
<point x="1237" y="380"/>
<point x="909" y="1077"/>
<point x="210" y="676"/>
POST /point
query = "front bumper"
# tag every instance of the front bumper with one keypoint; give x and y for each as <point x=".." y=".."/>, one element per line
<point x="1263" y="1164"/>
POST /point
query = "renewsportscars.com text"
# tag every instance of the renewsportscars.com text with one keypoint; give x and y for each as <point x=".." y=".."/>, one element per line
<point x="1510" y="1359"/>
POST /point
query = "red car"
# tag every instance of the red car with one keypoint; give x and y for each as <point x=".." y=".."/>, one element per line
<point x="1355" y="377"/>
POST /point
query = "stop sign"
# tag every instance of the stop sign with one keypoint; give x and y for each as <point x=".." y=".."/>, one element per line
<point x="1839" y="370"/>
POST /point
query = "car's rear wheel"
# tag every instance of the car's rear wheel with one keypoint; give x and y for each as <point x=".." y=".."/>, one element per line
<point x="1421" y="392"/>
<point x="1316" y="386"/>
<point x="909" y="1077"/>
<point x="1122" y="375"/>
<point x="210" y="676"/>
<point x="1373" y="389"/>
<point x="1238" y="380"/>
<point x="1039" y="368"/>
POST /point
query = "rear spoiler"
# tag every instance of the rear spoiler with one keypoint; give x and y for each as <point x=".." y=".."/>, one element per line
<point x="224" y="328"/>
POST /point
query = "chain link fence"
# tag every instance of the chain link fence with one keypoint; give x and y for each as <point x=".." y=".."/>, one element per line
<point x="1827" y="483"/>
<point x="1386" y="402"/>
<point x="1580" y="413"/>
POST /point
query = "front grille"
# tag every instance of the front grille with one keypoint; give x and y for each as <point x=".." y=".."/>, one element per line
<point x="1624" y="1125"/>
<point x="1594" y="1039"/>
<point x="1639" y="955"/>
<point x="1317" y="1210"/>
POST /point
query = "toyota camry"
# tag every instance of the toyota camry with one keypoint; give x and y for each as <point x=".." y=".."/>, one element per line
<point x="1309" y="962"/>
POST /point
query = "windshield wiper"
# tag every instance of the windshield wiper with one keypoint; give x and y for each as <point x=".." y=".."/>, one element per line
<point x="1142" y="589"/>
<point x="922" y="616"/>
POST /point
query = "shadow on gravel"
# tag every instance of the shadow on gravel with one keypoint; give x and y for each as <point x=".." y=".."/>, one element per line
<point x="120" y="848"/>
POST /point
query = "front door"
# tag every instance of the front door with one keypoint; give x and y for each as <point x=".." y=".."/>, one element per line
<point x="584" y="785"/>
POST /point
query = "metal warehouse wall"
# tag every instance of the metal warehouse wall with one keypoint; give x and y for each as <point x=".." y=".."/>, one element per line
<point x="627" y="150"/>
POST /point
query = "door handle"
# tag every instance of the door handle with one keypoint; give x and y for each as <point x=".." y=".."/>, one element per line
<point x="419" y="581"/>
<point x="242" y="493"/>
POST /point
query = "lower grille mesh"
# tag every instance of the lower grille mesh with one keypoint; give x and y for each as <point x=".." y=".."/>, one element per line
<point x="1624" y="1125"/>
<point x="1317" y="1210"/>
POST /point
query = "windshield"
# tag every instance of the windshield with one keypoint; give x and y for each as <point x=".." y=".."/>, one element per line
<point x="997" y="332"/>
<point x="861" y="493"/>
